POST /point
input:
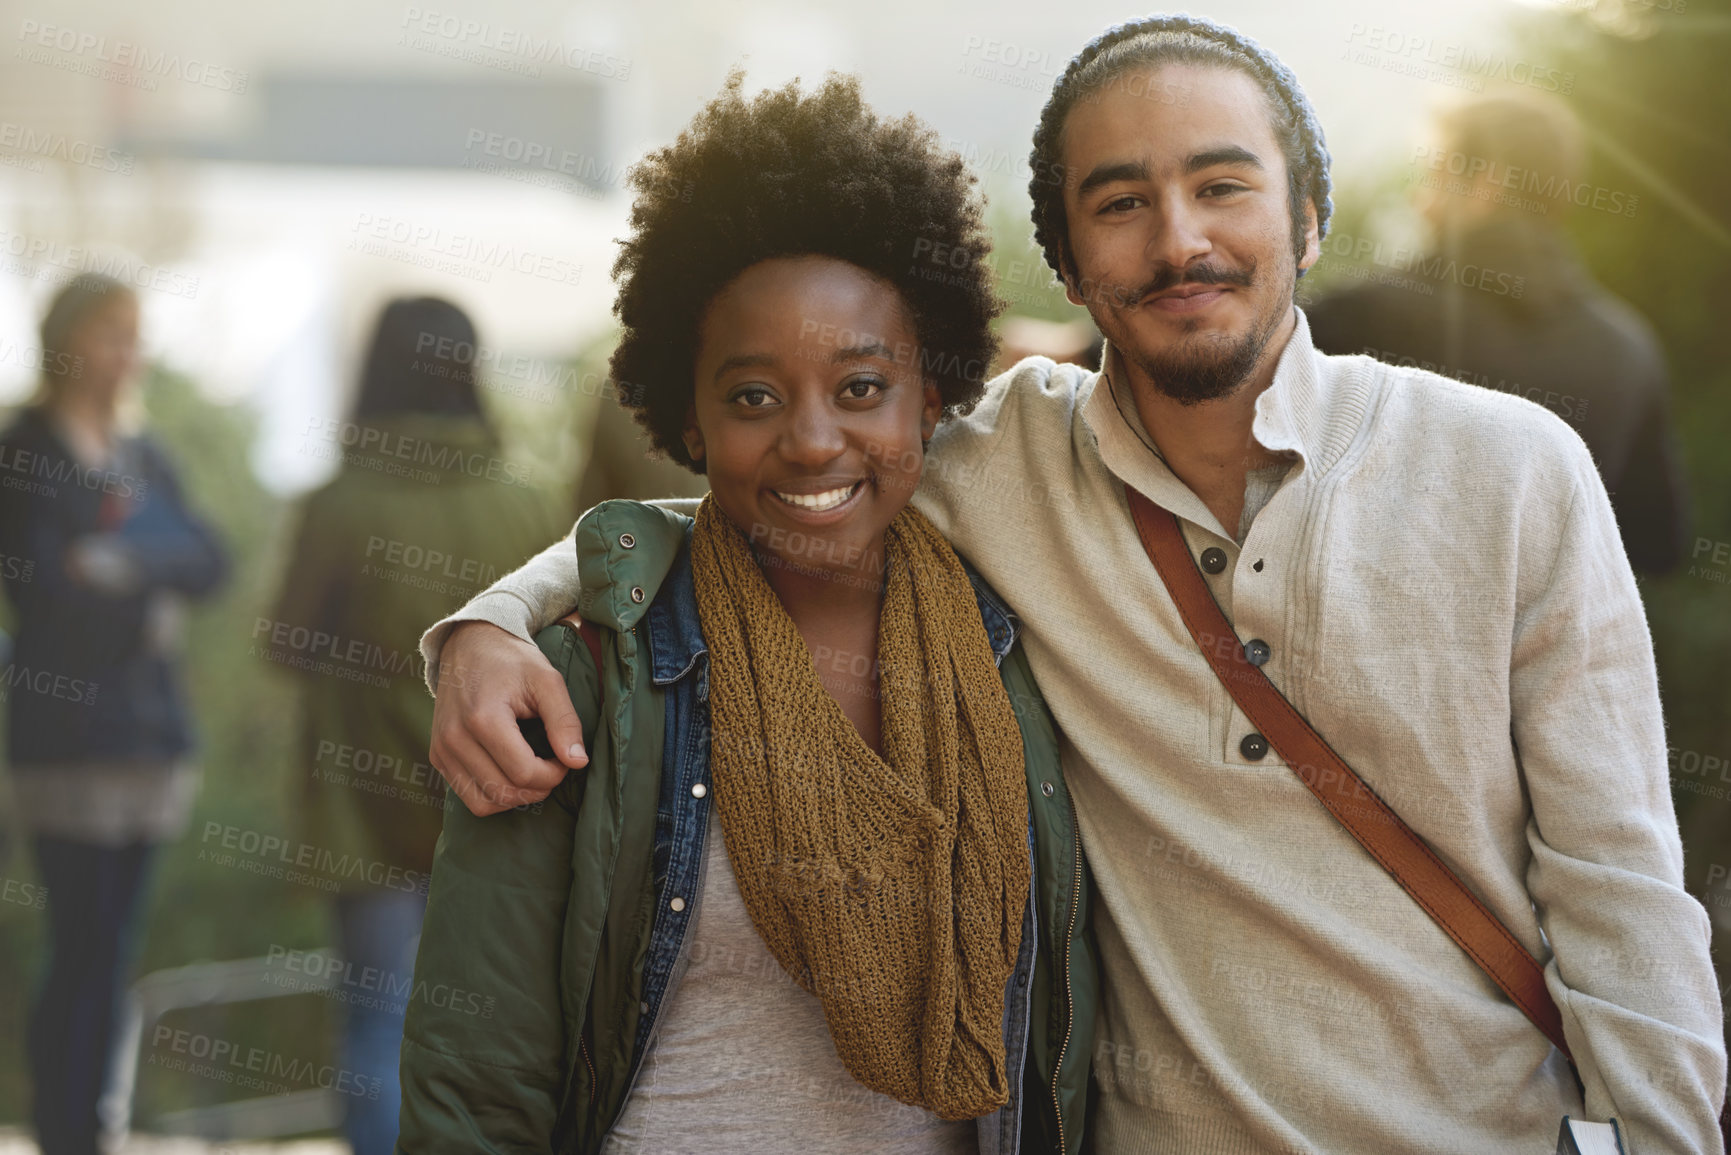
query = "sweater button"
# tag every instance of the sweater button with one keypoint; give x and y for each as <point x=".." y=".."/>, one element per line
<point x="698" y="790"/>
<point x="1257" y="652"/>
<point x="1254" y="747"/>
<point x="1213" y="559"/>
<point x="627" y="540"/>
<point x="636" y="593"/>
<point x="677" y="905"/>
<point x="1046" y="789"/>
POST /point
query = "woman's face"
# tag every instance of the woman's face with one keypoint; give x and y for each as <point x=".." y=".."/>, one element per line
<point x="104" y="349"/>
<point x="809" y="410"/>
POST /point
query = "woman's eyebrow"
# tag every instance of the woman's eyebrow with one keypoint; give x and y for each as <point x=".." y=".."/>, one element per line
<point x="868" y="349"/>
<point x="743" y="361"/>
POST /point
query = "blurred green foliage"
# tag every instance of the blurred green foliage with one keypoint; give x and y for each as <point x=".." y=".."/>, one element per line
<point x="1652" y="89"/>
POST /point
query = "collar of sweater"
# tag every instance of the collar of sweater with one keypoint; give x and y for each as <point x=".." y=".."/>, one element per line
<point x="1308" y="410"/>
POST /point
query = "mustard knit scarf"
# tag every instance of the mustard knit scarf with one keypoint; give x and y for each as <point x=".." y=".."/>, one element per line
<point x="891" y="887"/>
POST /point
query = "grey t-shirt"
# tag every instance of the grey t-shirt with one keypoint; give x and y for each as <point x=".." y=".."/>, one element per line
<point x="743" y="1061"/>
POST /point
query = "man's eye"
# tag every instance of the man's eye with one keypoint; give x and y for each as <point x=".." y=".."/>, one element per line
<point x="1120" y="205"/>
<point x="1222" y="189"/>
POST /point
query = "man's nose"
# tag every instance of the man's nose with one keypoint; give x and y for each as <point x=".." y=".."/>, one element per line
<point x="1176" y="233"/>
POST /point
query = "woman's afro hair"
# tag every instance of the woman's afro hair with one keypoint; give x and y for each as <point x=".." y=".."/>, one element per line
<point x="788" y="174"/>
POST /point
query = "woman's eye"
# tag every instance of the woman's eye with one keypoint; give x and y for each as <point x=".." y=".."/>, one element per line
<point x="862" y="388"/>
<point x="753" y="397"/>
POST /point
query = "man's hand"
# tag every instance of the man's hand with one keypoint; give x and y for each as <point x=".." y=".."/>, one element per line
<point x="487" y="680"/>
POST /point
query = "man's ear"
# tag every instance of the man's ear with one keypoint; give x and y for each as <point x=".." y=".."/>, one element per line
<point x="1312" y="237"/>
<point x="692" y="435"/>
<point x="1067" y="267"/>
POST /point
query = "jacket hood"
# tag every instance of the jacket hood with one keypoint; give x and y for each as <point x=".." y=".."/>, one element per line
<point x="624" y="550"/>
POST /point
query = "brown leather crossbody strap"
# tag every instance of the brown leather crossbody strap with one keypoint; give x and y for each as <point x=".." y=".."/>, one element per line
<point x="590" y="635"/>
<point x="1378" y="829"/>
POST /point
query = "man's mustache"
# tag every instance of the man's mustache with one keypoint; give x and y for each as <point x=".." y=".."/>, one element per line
<point x="1170" y="276"/>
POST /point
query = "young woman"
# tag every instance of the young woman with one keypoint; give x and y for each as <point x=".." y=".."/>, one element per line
<point x="97" y="547"/>
<point x="359" y="570"/>
<point x="819" y="887"/>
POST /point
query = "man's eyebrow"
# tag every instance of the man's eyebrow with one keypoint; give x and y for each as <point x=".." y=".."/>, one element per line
<point x="742" y="361"/>
<point x="1110" y="171"/>
<point x="1225" y="154"/>
<point x="868" y="349"/>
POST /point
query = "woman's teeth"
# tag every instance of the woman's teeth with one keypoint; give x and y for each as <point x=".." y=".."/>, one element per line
<point x="818" y="502"/>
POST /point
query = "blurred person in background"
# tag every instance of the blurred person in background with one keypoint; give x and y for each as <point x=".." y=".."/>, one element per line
<point x="623" y="463"/>
<point x="1524" y="315"/>
<point x="98" y="733"/>
<point x="1066" y="342"/>
<point x="423" y="512"/>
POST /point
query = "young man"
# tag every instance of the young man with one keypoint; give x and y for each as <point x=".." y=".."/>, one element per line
<point x="1428" y="571"/>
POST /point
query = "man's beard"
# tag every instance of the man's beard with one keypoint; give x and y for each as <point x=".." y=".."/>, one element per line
<point x="1202" y="366"/>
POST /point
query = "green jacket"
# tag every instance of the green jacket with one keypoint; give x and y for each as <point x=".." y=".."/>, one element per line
<point x="524" y="1030"/>
<point x="418" y="520"/>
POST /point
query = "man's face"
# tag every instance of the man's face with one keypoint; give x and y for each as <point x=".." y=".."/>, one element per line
<point x="1180" y="235"/>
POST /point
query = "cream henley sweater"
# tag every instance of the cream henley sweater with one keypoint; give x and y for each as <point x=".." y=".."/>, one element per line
<point x="1443" y="586"/>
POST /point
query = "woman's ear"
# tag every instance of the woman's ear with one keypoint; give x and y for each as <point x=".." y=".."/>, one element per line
<point x="930" y="411"/>
<point x="692" y="436"/>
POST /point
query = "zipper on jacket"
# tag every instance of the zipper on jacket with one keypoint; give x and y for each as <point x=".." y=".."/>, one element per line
<point x="583" y="1049"/>
<point x="1069" y="993"/>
